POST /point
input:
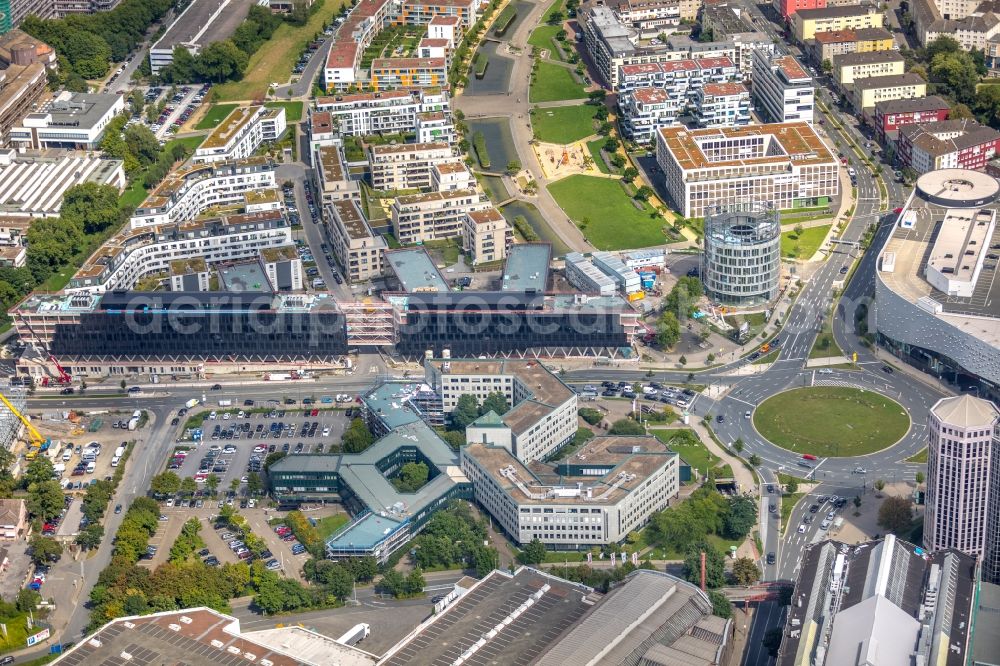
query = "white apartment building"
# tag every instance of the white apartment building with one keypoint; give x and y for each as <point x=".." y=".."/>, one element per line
<point x="450" y="176"/>
<point x="418" y="218"/>
<point x="962" y="438"/>
<point x="72" y="120"/>
<point x="365" y="21"/>
<point x="787" y="164"/>
<point x="782" y="90"/>
<point x="588" y="278"/>
<point x="849" y="67"/>
<point x="332" y="180"/>
<point x="407" y="165"/>
<point x="358" y="250"/>
<point x="186" y="193"/>
<point x="722" y="105"/>
<point x="241" y="134"/>
<point x="136" y="253"/>
<point x="447" y="27"/>
<point x="597" y="496"/>
<point x="434" y="126"/>
<point x="645" y="110"/>
<point x="542" y="416"/>
<point x="650" y="18"/>
<point x="486" y="236"/>
<point x="386" y="112"/>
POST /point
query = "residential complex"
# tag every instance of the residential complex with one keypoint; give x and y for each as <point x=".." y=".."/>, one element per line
<point x="386" y="112"/>
<point x="357" y="249"/>
<point x="963" y="436"/>
<point x="879" y="602"/>
<point x="741" y="264"/>
<point x="782" y="90"/>
<point x="891" y="115"/>
<point x="807" y="22"/>
<point x="486" y="236"/>
<point x="722" y="105"/>
<point x="389" y="73"/>
<point x="826" y="45"/>
<point x="74" y="121"/>
<point x="333" y="180"/>
<point x="948" y="336"/>
<point x="407" y="166"/>
<point x="787" y="164"/>
<point x="241" y="134"/>
<point x="201" y="23"/>
<point x="849" y="67"/>
<point x="974" y="24"/>
<point x="418" y="218"/>
<point x="868" y="92"/>
<point x="947" y="144"/>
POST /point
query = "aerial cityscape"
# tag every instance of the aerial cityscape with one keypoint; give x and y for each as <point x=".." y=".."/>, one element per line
<point x="537" y="332"/>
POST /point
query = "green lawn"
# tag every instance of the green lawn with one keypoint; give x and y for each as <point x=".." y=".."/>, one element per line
<point x="133" y="195"/>
<point x="831" y="421"/>
<point x="327" y="526"/>
<point x="788" y="503"/>
<point x="919" y="457"/>
<point x="690" y="448"/>
<point x="293" y="110"/>
<point x="214" y="116"/>
<point x="551" y="83"/>
<point x="542" y="37"/>
<point x="606" y="215"/>
<point x="191" y="142"/>
<point x="563" y="124"/>
<point x="273" y="61"/>
<point x="595" y="151"/>
<point x="825" y="344"/>
<point x="805" y="245"/>
<point x="656" y="553"/>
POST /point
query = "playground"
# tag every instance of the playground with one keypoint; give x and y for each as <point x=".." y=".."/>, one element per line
<point x="559" y="160"/>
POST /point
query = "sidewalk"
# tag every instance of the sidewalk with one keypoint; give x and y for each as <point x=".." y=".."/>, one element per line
<point x="744" y="478"/>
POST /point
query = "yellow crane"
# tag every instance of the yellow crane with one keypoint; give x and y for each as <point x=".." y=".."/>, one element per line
<point x="36" y="438"/>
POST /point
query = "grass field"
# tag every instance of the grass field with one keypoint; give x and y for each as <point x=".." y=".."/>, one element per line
<point x="552" y="83"/>
<point x="191" y="142"/>
<point x="919" y="457"/>
<point x="689" y="447"/>
<point x="542" y="37"/>
<point x="831" y="421"/>
<point x="825" y="344"/>
<point x="274" y="61"/>
<point x="788" y="503"/>
<point x="606" y="214"/>
<point x="805" y="245"/>
<point x="293" y="110"/>
<point x="214" y="116"/>
<point x="563" y="124"/>
<point x="327" y="526"/>
<point x="595" y="151"/>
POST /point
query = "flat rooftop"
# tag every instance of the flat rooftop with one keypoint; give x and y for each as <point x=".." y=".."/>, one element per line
<point x="230" y="127"/>
<point x="331" y="166"/>
<point x="778" y="143"/>
<point x="557" y="605"/>
<point x="415" y="270"/>
<point x="527" y="267"/>
<point x="367" y="532"/>
<point x="196" y="25"/>
<point x="33" y="184"/>
<point x="83" y="110"/>
<point x="913" y="240"/>
<point x="245" y="276"/>
<point x="352" y="219"/>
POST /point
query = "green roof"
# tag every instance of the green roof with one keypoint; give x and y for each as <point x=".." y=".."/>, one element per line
<point x="489" y="420"/>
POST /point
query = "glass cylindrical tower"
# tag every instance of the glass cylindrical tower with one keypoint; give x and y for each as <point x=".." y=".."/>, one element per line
<point x="742" y="261"/>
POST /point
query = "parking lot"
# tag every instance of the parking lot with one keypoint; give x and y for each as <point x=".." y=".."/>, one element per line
<point x="178" y="109"/>
<point x="232" y="445"/>
<point x="652" y="392"/>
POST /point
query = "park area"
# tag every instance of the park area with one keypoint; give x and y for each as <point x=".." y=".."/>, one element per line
<point x="803" y="244"/>
<point x="831" y="421"/>
<point x="691" y="450"/>
<point x="398" y="41"/>
<point x="274" y="60"/>
<point x="608" y="217"/>
<point x="563" y="124"/>
<point x="553" y="83"/>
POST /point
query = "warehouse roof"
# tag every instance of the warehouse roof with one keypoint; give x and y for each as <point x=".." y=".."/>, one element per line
<point x="203" y="23"/>
<point x="527" y="267"/>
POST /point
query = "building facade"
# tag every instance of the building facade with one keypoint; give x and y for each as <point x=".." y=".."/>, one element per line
<point x="863" y="64"/>
<point x="723" y="105"/>
<point x="417" y="218"/>
<point x="890" y="116"/>
<point x="486" y="236"/>
<point x="807" y="22"/>
<point x="948" y="144"/>
<point x="407" y="165"/>
<point x="357" y="249"/>
<point x="870" y="91"/>
<point x="741" y="264"/>
<point x="241" y="133"/>
<point x="74" y="121"/>
<point x="825" y="45"/>
<point x="782" y="90"/>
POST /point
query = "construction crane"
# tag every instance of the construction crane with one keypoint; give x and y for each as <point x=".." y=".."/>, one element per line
<point x="64" y="377"/>
<point x="36" y="437"/>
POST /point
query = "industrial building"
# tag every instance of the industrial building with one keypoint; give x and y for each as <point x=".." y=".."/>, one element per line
<point x="626" y="279"/>
<point x="33" y="184"/>
<point x="741" y="264"/>
<point x="74" y="121"/>
<point x="782" y="91"/>
<point x="241" y="133"/>
<point x="787" y="164"/>
<point x="949" y="336"/>
<point x="879" y="602"/>
<point x="585" y="276"/>
<point x="201" y="23"/>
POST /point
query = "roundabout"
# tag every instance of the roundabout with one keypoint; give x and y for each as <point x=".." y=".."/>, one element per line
<point x="831" y="421"/>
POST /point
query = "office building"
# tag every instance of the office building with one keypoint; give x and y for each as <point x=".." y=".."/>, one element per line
<point x="385" y="112"/>
<point x="135" y="254"/>
<point x="874" y="89"/>
<point x="962" y="440"/>
<point x="722" y="105"/>
<point x="782" y="90"/>
<point x="407" y="165"/>
<point x="891" y="115"/>
<point x="74" y="121"/>
<point x="597" y="495"/>
<point x="202" y="22"/>
<point x="357" y="249"/>
<point x="879" y="602"/>
<point x="486" y="236"/>
<point x="950" y="337"/>
<point x="588" y="278"/>
<point x="741" y="265"/>
<point x="947" y="144"/>
<point x="434" y="215"/>
<point x="25" y="62"/>
<point x="825" y="45"/>
<point x="389" y="73"/>
<point x="186" y="193"/>
<point x="241" y="133"/>
<point x="33" y="184"/>
<point x="807" y="22"/>
<point x="786" y="164"/>
<point x="849" y="67"/>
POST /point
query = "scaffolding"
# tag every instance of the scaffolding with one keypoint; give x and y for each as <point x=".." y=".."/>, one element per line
<point x="369" y="323"/>
<point x="10" y="420"/>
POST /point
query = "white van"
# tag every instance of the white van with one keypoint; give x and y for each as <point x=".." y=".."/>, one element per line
<point x="825" y="524"/>
<point x="67" y="454"/>
<point x="115" y="460"/>
<point x="91" y="466"/>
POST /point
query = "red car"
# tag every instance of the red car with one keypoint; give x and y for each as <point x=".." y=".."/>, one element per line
<point x="808" y="456"/>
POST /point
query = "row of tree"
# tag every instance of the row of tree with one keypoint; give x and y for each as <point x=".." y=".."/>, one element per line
<point x="705" y="512"/>
<point x="454" y="537"/>
<point x="678" y="306"/>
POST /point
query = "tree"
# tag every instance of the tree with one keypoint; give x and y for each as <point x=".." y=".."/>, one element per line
<point x="392" y="582"/>
<point x="165" y="484"/>
<point x="590" y="415"/>
<point x="466" y="411"/>
<point x="715" y="571"/>
<point x="357" y="438"/>
<point x="40" y="469"/>
<point x="513" y="167"/>
<point x="792" y="486"/>
<point x="94" y="207"/>
<point x="626" y="427"/>
<point x="896" y="515"/>
<point x="255" y="486"/>
<point x="90" y="536"/>
<point x="45" y="499"/>
<point x="212" y="483"/>
<point x="745" y="571"/>
<point x="682" y="360"/>
<point x="668" y="330"/>
<point x="415" y="582"/>
<point x="919" y="478"/>
<point x="740" y="518"/>
<point x="754" y="459"/>
<point x="533" y="553"/>
<point x="188" y="486"/>
<point x="960" y="112"/>
<point x="234" y="485"/>
<point x="857" y="501"/>
<point x="738" y="445"/>
<point x="643" y="193"/>
<point x="220" y="61"/>
<point x="44" y="549"/>
<point x="495" y="402"/>
<point x="630" y="174"/>
<point x="879" y="485"/>
<point x="826" y="66"/>
<point x="27" y="599"/>
<point x="412" y="476"/>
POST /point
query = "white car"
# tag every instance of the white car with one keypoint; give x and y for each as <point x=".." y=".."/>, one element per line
<point x="170" y="501"/>
<point x="825" y="371"/>
<point x="802" y="529"/>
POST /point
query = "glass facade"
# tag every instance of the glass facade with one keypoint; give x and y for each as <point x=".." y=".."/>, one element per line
<point x="742" y="260"/>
